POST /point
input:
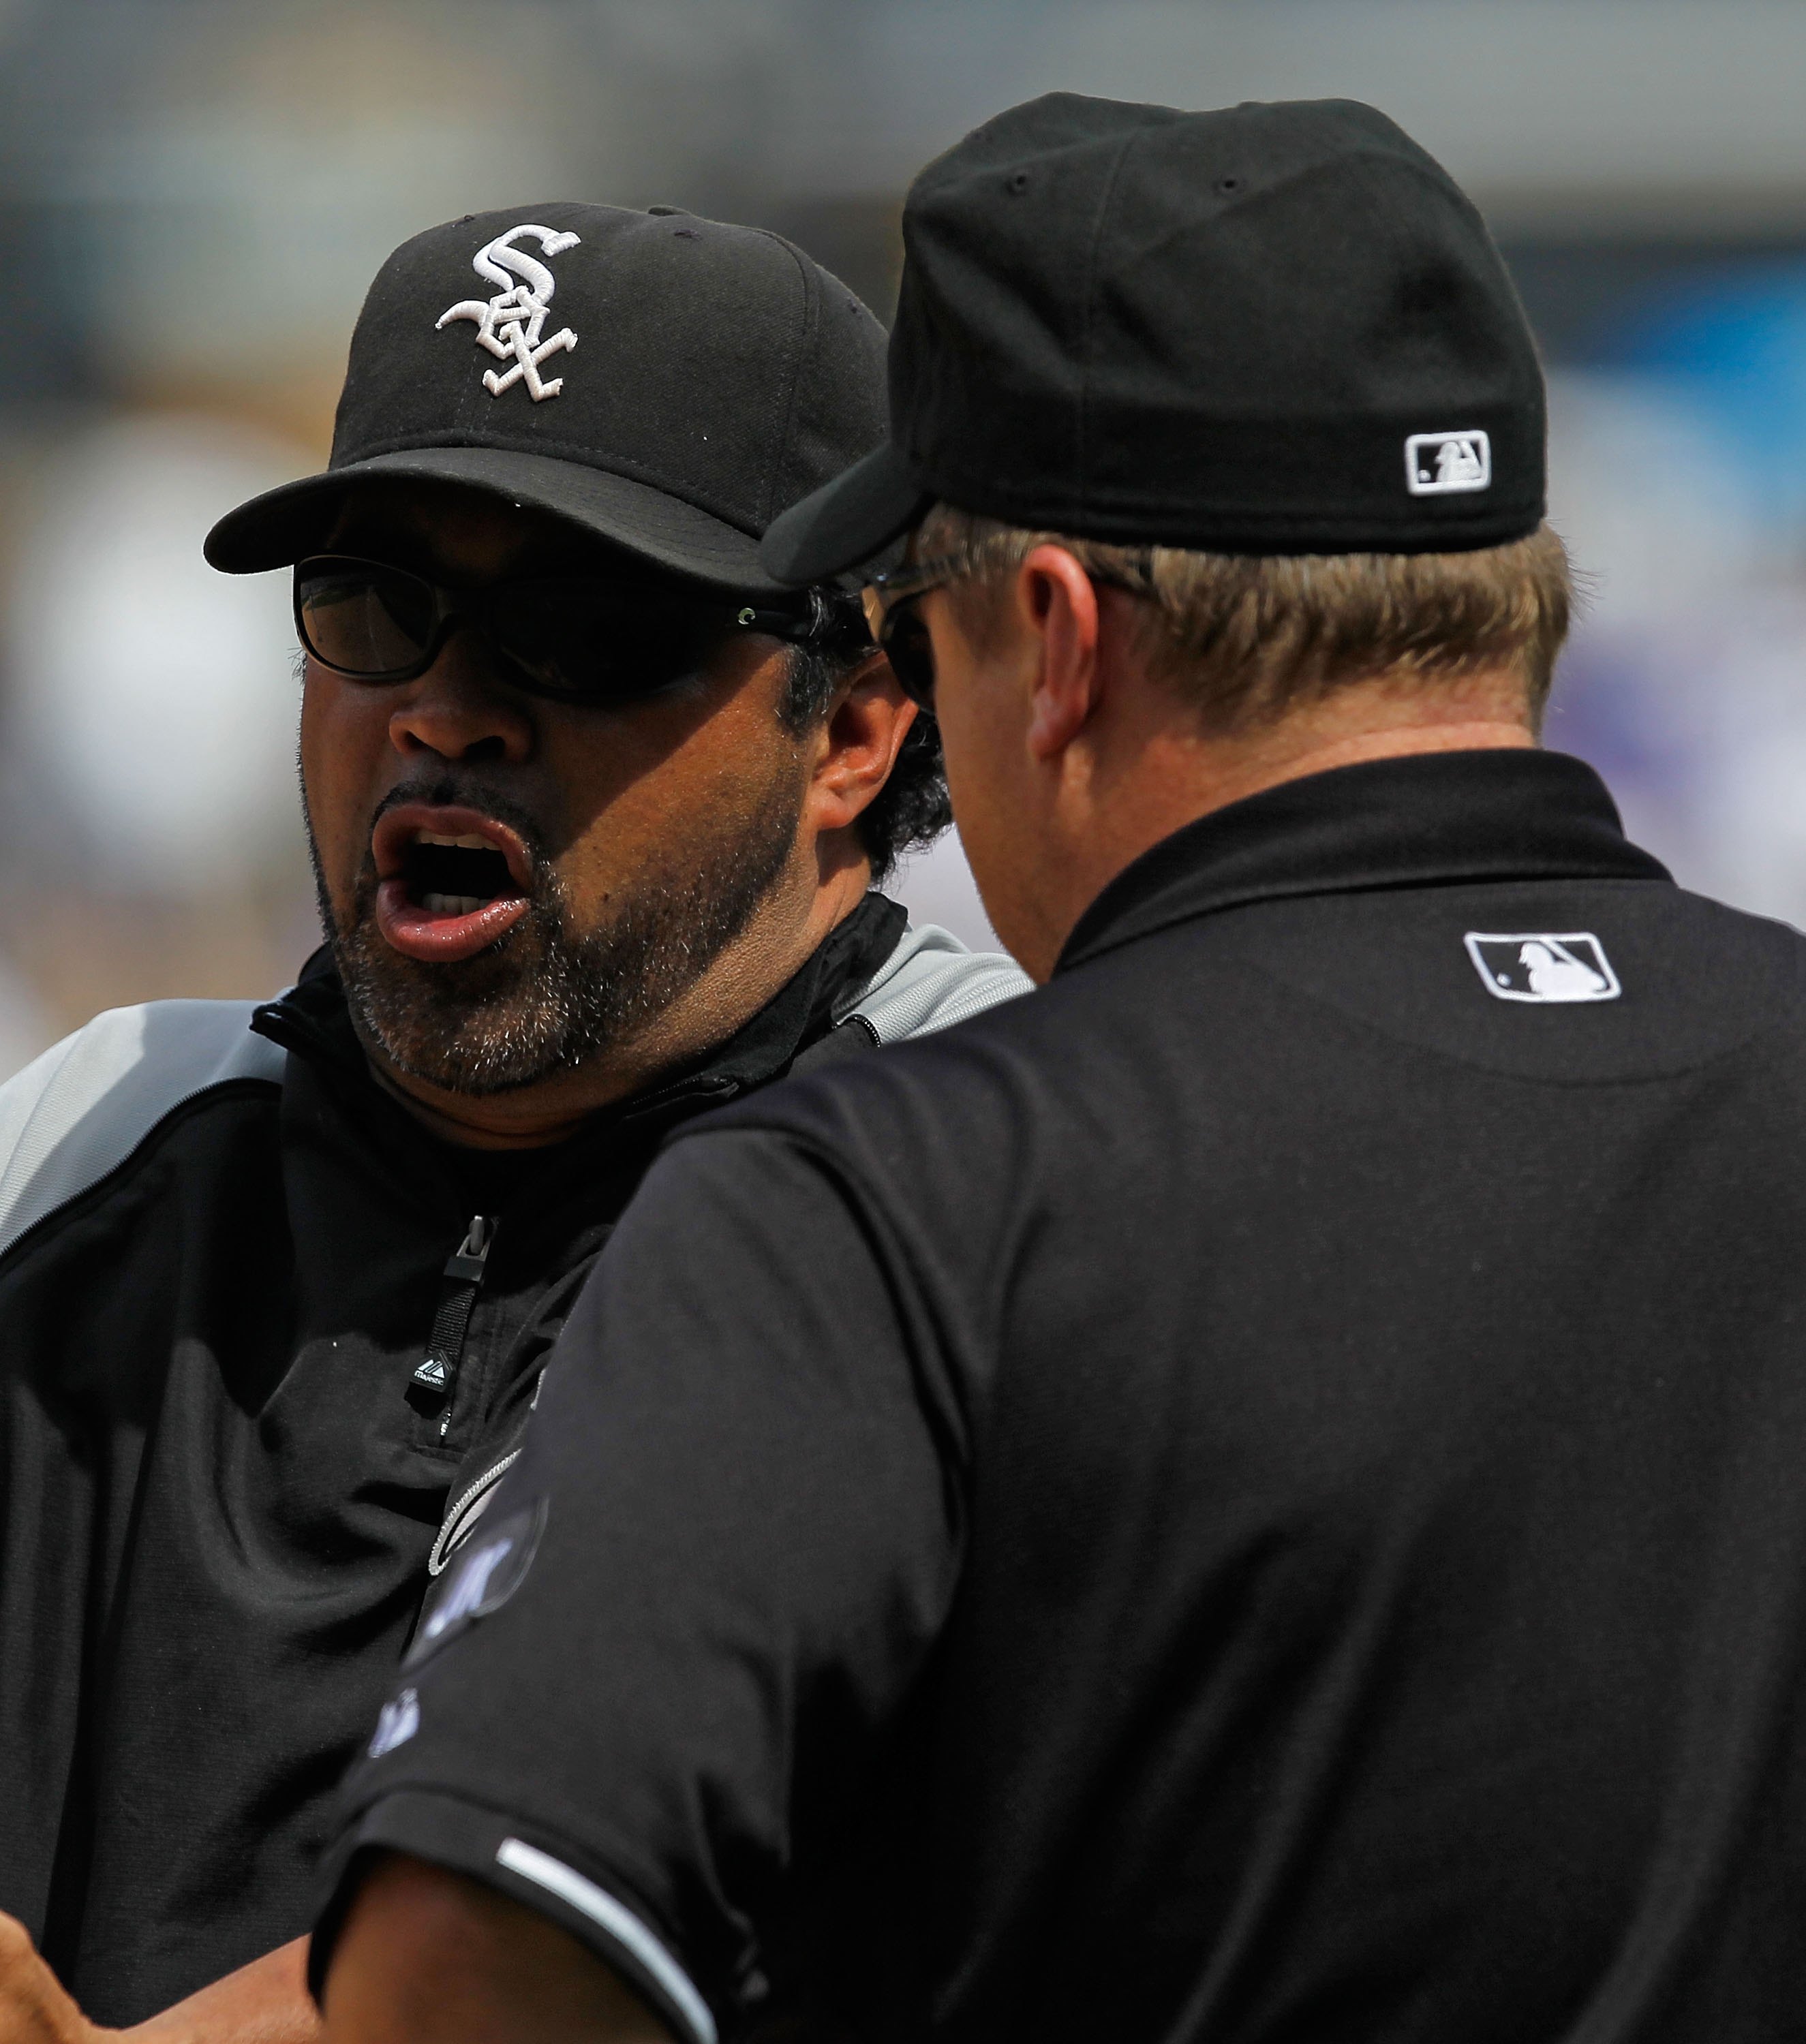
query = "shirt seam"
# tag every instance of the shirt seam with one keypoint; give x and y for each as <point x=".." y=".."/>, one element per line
<point x="137" y="1157"/>
<point x="959" y="1441"/>
<point x="1377" y="1031"/>
<point x="1417" y="883"/>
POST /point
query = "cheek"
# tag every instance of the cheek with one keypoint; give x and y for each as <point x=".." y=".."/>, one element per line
<point x="981" y="799"/>
<point x="983" y="755"/>
<point x="984" y="742"/>
<point x="345" y="756"/>
<point x="666" y="799"/>
<point x="971" y="706"/>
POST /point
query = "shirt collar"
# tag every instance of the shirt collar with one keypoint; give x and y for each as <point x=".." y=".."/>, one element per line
<point x="1430" y="820"/>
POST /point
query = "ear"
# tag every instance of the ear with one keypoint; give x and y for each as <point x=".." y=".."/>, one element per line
<point x="865" y="731"/>
<point x="1058" y="603"/>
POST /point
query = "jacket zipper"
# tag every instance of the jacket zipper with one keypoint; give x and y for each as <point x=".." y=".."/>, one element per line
<point x="436" y="1374"/>
<point x="465" y="1513"/>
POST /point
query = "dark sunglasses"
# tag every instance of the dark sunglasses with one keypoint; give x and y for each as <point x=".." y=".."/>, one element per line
<point x="901" y="631"/>
<point x="576" y="640"/>
<point x="897" y="626"/>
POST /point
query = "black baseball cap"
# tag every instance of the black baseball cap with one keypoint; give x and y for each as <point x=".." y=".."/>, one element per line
<point x="667" y="383"/>
<point x="1272" y="328"/>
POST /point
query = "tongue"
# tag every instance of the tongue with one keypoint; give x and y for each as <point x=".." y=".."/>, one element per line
<point x="439" y="929"/>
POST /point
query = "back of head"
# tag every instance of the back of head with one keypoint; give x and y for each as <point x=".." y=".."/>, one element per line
<point x="1266" y="360"/>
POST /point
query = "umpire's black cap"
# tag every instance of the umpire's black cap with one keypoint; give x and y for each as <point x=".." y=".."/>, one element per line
<point x="668" y="382"/>
<point x="1268" y="329"/>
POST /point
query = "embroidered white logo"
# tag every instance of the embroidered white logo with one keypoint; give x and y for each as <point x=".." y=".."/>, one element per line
<point x="1539" y="966"/>
<point x="484" y="1574"/>
<point x="509" y="325"/>
<point x="397" y="1723"/>
<point x="1435" y="463"/>
<point x="470" y="1589"/>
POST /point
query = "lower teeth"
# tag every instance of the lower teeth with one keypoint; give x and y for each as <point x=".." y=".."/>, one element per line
<point x="452" y="904"/>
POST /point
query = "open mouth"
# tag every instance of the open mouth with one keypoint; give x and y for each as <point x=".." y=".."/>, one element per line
<point x="455" y="876"/>
<point x="451" y="881"/>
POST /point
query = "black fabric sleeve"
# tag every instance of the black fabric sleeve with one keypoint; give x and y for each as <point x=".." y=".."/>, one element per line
<point x="666" y="1662"/>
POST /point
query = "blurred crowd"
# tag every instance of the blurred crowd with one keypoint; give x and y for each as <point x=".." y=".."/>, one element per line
<point x="193" y="197"/>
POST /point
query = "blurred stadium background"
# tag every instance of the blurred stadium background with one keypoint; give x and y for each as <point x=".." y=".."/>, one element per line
<point x="193" y="195"/>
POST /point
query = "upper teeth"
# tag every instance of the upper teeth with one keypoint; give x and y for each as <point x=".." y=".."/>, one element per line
<point x="469" y="842"/>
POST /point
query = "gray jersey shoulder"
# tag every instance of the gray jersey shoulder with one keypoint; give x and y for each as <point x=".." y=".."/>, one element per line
<point x="929" y="982"/>
<point x="75" y="1114"/>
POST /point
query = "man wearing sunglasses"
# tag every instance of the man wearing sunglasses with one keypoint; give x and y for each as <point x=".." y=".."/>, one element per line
<point x="596" y="807"/>
<point x="1307" y="1539"/>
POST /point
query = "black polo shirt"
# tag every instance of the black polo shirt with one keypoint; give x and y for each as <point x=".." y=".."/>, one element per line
<point x="1260" y="1493"/>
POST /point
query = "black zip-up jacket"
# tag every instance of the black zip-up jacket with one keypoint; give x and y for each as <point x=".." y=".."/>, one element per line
<point x="257" y="1368"/>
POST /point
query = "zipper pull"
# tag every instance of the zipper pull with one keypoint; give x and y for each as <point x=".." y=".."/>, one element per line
<point x="436" y="1374"/>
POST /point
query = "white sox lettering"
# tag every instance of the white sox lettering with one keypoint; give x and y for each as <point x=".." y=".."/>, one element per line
<point x="509" y="325"/>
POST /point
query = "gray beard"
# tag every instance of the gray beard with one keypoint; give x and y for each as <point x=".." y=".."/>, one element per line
<point x="547" y="997"/>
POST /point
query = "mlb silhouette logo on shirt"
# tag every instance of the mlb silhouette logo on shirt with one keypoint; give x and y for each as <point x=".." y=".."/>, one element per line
<point x="1541" y="966"/>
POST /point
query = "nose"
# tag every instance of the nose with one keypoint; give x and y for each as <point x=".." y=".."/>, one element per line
<point x="461" y="711"/>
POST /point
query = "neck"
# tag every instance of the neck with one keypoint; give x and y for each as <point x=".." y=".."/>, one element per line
<point x="1141" y="786"/>
<point x="752" y="969"/>
<point x="1292" y="756"/>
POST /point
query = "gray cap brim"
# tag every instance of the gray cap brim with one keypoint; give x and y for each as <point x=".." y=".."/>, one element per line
<point x="284" y="525"/>
<point x="845" y="523"/>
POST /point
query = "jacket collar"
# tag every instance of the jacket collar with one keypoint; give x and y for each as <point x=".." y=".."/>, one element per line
<point x="1432" y="820"/>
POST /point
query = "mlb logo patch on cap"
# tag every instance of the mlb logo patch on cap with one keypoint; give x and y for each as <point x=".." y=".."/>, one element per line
<point x="1539" y="966"/>
<point x="1437" y="463"/>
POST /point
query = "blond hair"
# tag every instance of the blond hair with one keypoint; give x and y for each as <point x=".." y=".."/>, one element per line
<point x="1249" y="637"/>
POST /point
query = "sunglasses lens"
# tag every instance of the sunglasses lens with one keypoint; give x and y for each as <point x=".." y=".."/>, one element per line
<point x="361" y="619"/>
<point x="591" y="641"/>
<point x="905" y="639"/>
<point x="594" y="642"/>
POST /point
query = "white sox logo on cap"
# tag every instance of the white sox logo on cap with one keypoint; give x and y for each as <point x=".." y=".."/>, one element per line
<point x="509" y="324"/>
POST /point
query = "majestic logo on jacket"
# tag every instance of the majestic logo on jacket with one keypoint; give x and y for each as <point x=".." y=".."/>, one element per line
<point x="509" y="325"/>
<point x="1539" y="966"/>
